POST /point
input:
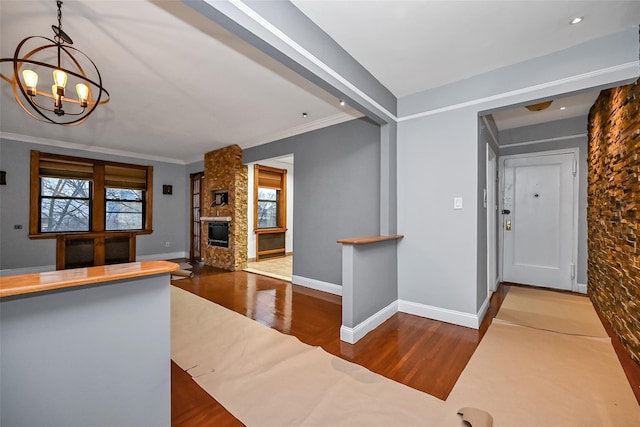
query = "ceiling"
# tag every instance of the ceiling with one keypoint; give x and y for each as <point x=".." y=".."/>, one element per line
<point x="181" y="85"/>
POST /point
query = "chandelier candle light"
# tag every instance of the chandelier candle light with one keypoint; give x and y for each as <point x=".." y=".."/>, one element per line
<point x="26" y="86"/>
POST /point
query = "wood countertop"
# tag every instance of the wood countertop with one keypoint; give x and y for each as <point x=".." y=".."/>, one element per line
<point x="369" y="239"/>
<point x="60" y="279"/>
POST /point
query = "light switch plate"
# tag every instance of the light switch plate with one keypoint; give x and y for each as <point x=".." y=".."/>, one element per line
<point x="457" y="203"/>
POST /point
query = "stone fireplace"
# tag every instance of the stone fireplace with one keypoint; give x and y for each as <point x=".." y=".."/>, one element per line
<point x="224" y="209"/>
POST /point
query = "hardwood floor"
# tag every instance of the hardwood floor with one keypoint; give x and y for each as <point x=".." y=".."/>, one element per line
<point x="424" y="354"/>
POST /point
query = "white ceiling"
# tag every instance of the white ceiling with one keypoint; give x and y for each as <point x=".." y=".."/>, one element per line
<point x="560" y="109"/>
<point x="410" y="46"/>
<point x="181" y="85"/>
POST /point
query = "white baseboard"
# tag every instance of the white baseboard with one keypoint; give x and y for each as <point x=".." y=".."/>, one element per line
<point x="352" y="335"/>
<point x="162" y="257"/>
<point x="317" y="285"/>
<point x="27" y="270"/>
<point x="581" y="288"/>
<point x="483" y="310"/>
<point x="441" y="314"/>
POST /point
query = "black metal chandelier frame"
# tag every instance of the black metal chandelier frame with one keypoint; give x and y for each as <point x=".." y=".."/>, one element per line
<point x="40" y="111"/>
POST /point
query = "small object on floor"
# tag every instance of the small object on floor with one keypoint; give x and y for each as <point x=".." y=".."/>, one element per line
<point x="183" y="273"/>
<point x="476" y="417"/>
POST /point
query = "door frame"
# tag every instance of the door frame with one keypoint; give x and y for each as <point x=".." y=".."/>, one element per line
<point x="491" y="206"/>
<point x="192" y="177"/>
<point x="576" y="188"/>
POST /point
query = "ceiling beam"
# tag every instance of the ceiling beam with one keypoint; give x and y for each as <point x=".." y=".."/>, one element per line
<point x="283" y="32"/>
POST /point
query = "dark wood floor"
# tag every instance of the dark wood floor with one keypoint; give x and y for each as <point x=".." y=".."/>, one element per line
<point x="424" y="354"/>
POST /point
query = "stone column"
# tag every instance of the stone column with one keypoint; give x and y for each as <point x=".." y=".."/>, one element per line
<point x="224" y="171"/>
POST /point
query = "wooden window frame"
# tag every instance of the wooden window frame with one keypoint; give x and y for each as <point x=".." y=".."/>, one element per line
<point x="98" y="196"/>
<point x="282" y="202"/>
<point x="276" y="179"/>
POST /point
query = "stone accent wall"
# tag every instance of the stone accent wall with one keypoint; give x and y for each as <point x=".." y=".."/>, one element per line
<point x="223" y="170"/>
<point x="613" y="213"/>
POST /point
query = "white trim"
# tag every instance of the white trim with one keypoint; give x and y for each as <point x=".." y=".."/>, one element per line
<point x="88" y="148"/>
<point x="540" y="141"/>
<point x="493" y="136"/>
<point x="441" y="314"/>
<point x="483" y="310"/>
<point x="491" y="206"/>
<point x="548" y="85"/>
<point x="162" y="257"/>
<point x="317" y="285"/>
<point x="352" y="335"/>
<point x="581" y="288"/>
<point x="26" y="270"/>
<point x="252" y="14"/>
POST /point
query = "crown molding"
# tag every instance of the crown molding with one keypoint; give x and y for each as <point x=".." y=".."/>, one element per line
<point x="88" y="148"/>
<point x="628" y="66"/>
<point x="541" y="141"/>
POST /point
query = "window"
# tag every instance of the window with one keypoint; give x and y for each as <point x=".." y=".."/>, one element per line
<point x="64" y="204"/>
<point x="124" y="209"/>
<point x="268" y="207"/>
<point x="270" y="198"/>
<point x="75" y="195"/>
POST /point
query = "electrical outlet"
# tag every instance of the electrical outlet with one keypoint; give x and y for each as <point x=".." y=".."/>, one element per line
<point x="167" y="244"/>
<point x="17" y="227"/>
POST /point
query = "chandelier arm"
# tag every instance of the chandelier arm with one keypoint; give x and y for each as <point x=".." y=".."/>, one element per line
<point x="84" y="77"/>
<point x="44" y="64"/>
<point x="53" y="111"/>
<point x="16" y="76"/>
<point x="5" y="78"/>
<point x="44" y="118"/>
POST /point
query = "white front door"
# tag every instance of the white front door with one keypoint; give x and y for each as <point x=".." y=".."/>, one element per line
<point x="538" y="219"/>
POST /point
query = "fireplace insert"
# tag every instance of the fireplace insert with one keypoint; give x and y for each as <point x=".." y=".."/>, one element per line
<point x="219" y="234"/>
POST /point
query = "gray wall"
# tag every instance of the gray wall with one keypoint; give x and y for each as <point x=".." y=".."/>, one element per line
<point x="437" y="259"/>
<point x="569" y="133"/>
<point x="375" y="270"/>
<point x="439" y="159"/>
<point x="96" y="355"/>
<point x="17" y="251"/>
<point x="336" y="192"/>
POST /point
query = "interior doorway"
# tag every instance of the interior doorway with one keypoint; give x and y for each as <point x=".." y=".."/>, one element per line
<point x="538" y="219"/>
<point x="270" y="217"/>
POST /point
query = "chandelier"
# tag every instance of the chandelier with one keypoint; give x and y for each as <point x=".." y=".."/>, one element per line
<point x="70" y="66"/>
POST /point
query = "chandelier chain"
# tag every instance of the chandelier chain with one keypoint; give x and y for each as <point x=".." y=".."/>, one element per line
<point x="59" y="39"/>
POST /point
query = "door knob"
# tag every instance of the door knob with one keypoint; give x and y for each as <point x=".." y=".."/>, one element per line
<point x="508" y="225"/>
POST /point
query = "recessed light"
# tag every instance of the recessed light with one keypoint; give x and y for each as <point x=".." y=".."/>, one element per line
<point x="304" y="114"/>
<point x="342" y="102"/>
<point x="576" y="20"/>
<point x="563" y="108"/>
